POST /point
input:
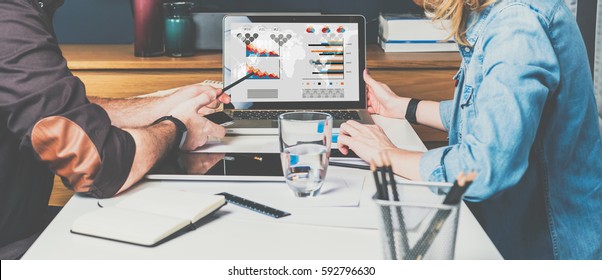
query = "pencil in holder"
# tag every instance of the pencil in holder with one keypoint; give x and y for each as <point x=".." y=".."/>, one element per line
<point x="419" y="225"/>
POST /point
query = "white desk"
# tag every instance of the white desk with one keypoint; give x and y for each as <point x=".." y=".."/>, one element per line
<point x="233" y="234"/>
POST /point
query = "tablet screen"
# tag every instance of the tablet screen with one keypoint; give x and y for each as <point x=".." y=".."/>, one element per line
<point x="220" y="164"/>
<point x="223" y="166"/>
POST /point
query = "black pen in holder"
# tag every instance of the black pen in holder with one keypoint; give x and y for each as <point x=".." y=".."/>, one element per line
<point x="417" y="222"/>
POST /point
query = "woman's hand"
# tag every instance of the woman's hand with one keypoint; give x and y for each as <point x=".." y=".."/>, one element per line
<point x="367" y="141"/>
<point x="382" y="100"/>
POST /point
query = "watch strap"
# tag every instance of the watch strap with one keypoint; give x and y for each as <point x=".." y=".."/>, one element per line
<point x="411" y="110"/>
<point x="180" y="128"/>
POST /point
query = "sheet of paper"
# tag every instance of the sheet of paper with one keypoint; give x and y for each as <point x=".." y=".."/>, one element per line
<point x="339" y="190"/>
<point x="338" y="206"/>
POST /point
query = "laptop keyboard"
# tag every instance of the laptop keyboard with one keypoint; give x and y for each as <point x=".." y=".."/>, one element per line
<point x="273" y="115"/>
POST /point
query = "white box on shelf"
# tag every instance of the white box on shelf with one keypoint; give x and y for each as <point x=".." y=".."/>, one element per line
<point x="411" y="27"/>
<point x="405" y="46"/>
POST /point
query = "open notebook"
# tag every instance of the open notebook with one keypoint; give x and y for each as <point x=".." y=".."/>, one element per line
<point x="149" y="217"/>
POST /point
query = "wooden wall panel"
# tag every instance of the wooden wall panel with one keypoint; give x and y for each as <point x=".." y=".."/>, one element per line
<point x="120" y="84"/>
<point x="423" y="84"/>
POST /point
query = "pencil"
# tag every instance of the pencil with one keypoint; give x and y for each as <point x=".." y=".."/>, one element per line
<point x="398" y="209"/>
<point x="385" y="212"/>
<point x="383" y="176"/>
<point x="349" y="165"/>
<point x="379" y="190"/>
<point x="236" y="82"/>
<point x="453" y="197"/>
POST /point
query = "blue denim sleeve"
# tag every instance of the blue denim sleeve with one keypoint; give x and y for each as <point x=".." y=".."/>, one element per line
<point x="445" y="111"/>
<point x="519" y="70"/>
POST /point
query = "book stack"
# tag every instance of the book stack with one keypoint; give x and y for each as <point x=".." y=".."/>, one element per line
<point x="414" y="33"/>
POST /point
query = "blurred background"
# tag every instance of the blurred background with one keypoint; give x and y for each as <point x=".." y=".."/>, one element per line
<point x="111" y="21"/>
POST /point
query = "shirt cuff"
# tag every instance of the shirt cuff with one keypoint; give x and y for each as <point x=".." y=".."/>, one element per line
<point x="117" y="159"/>
<point x="445" y="110"/>
<point x="432" y="165"/>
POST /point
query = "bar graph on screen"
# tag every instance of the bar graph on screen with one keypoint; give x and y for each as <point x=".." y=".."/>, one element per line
<point x="328" y="58"/>
<point x="266" y="72"/>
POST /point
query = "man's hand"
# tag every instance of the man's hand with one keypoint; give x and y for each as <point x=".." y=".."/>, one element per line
<point x="184" y="94"/>
<point x="191" y="113"/>
<point x="140" y="112"/>
<point x="367" y="141"/>
<point x="382" y="100"/>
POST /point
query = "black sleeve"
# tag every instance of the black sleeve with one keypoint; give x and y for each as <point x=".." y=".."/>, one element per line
<point x="46" y="106"/>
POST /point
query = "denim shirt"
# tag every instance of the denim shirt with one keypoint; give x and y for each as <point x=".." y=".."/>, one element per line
<point x="524" y="117"/>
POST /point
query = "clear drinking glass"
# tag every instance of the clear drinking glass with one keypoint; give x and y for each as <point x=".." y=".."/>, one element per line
<point x="305" y="139"/>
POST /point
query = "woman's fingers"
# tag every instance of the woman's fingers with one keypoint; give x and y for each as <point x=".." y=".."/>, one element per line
<point x="369" y="80"/>
<point x="343" y="143"/>
<point x="348" y="129"/>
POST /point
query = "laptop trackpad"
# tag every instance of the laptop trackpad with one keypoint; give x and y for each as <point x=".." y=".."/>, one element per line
<point x="274" y="124"/>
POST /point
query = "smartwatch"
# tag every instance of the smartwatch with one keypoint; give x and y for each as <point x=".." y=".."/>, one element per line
<point x="411" y="110"/>
<point x="180" y="128"/>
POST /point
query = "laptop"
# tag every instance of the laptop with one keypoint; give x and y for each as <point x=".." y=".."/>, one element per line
<point x="299" y="63"/>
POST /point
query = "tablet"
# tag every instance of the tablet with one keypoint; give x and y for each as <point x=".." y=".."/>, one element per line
<point x="219" y="167"/>
<point x="265" y="167"/>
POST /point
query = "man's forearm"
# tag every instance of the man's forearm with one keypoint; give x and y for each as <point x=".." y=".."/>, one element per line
<point x="151" y="144"/>
<point x="130" y="112"/>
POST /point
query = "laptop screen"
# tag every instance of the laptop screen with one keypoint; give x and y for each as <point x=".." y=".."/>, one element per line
<point x="296" y="62"/>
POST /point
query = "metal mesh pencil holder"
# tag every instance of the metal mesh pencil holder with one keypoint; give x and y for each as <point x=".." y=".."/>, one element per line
<point x="418" y="226"/>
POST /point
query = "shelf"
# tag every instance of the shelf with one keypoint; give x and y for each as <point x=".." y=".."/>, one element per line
<point x="121" y="57"/>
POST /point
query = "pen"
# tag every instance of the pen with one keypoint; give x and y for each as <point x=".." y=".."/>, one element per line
<point x="236" y="82"/>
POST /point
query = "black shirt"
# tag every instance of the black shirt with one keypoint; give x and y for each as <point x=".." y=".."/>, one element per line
<point x="47" y="125"/>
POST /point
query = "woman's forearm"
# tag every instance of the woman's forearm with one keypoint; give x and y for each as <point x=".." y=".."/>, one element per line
<point x="406" y="163"/>
<point x="428" y="114"/>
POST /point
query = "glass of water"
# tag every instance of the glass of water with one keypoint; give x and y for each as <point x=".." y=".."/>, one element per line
<point x="305" y="139"/>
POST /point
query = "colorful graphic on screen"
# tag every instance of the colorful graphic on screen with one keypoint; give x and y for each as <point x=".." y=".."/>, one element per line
<point x="265" y="72"/>
<point x="253" y="51"/>
<point x="294" y="62"/>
